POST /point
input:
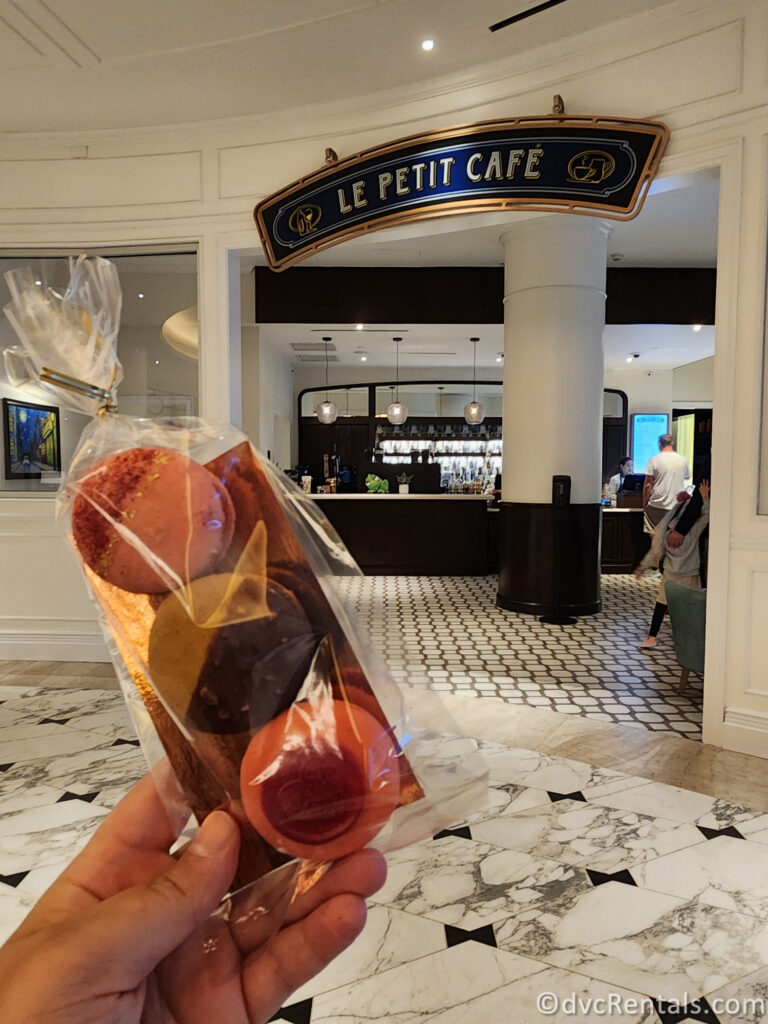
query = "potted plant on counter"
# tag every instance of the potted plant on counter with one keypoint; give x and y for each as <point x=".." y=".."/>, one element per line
<point x="403" y="482"/>
<point x="375" y="485"/>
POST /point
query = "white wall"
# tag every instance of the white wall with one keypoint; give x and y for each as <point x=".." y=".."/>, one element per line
<point x="694" y="382"/>
<point x="646" y="390"/>
<point x="276" y="412"/>
<point x="699" y="65"/>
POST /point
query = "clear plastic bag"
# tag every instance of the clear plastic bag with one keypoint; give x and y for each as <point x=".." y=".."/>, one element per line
<point x="215" y="577"/>
<point x="69" y="337"/>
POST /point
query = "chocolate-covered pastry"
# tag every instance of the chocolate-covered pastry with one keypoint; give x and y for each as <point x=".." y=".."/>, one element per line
<point x="302" y="583"/>
<point x="254" y="501"/>
<point x="229" y="678"/>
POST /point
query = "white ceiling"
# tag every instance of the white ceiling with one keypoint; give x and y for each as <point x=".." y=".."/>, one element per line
<point x="80" y="65"/>
<point x="444" y="346"/>
<point x="69" y="65"/>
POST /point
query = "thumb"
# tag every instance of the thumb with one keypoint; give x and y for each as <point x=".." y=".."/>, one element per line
<point x="132" y="932"/>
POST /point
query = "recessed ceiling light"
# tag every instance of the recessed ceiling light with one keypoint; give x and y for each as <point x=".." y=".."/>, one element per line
<point x="629" y="359"/>
<point x="359" y="327"/>
<point x="363" y="359"/>
<point x="696" y="327"/>
<point x="157" y="362"/>
<point x="427" y="44"/>
<point x="141" y="295"/>
<point x="499" y="357"/>
<point x="38" y="282"/>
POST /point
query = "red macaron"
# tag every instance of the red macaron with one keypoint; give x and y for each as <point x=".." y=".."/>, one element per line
<point x="320" y="780"/>
<point x="149" y="519"/>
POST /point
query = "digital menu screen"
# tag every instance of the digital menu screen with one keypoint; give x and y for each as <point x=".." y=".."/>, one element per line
<point x="646" y="428"/>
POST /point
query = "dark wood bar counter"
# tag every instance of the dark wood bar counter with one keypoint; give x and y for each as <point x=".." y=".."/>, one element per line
<point x="451" y="534"/>
<point x="414" y="534"/>
<point x="623" y="540"/>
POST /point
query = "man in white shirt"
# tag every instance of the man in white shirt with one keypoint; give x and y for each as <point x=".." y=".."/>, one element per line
<point x="665" y="476"/>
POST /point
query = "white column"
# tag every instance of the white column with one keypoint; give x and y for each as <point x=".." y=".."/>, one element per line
<point x="219" y="319"/>
<point x="554" y="314"/>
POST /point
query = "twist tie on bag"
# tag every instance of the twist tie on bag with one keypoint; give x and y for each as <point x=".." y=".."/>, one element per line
<point x="104" y="396"/>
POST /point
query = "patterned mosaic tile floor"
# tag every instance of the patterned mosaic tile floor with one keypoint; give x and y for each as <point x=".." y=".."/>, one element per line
<point x="448" y="634"/>
<point x="574" y="884"/>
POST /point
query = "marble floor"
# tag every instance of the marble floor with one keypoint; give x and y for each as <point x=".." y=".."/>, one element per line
<point x="578" y="891"/>
<point x="448" y="634"/>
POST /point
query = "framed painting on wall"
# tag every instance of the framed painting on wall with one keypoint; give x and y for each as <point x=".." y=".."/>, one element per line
<point x="32" y="440"/>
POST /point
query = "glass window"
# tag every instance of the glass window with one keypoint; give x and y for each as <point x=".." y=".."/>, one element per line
<point x="160" y="367"/>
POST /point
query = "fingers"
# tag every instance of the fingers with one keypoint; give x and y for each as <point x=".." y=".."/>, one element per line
<point x="260" y="911"/>
<point x="141" y="821"/>
<point x="299" y="952"/>
<point x="320" y="924"/>
<point x="138" y="824"/>
<point x="361" y="874"/>
<point x="129" y="848"/>
<point x="131" y="932"/>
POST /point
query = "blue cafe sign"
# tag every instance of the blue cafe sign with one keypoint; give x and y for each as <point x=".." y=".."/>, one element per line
<point x="599" y="166"/>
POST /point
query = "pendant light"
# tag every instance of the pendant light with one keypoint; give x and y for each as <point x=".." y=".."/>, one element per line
<point x="326" y="411"/>
<point x="397" y="411"/>
<point x="474" y="411"/>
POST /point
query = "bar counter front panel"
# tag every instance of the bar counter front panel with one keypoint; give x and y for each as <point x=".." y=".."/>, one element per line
<point x="451" y="534"/>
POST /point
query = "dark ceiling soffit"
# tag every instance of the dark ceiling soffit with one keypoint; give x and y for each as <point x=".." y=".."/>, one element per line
<point x="466" y="295"/>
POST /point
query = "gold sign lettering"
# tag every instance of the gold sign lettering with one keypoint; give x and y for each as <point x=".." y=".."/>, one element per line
<point x="534" y="155"/>
<point x="305" y="219"/>
<point x="344" y="206"/>
<point x="472" y="174"/>
<point x="592" y="166"/>
<point x="495" y="169"/>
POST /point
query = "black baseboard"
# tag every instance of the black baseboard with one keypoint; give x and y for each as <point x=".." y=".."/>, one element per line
<point x="549" y="559"/>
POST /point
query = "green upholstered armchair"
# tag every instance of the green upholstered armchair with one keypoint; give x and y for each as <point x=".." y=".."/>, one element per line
<point x="687" y="614"/>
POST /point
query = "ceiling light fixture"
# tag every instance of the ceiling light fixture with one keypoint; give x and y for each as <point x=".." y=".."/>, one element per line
<point x="363" y="359"/>
<point x="326" y="411"/>
<point x="474" y="411"/>
<point x="427" y="45"/>
<point x="359" y="327"/>
<point x="695" y="327"/>
<point x="397" y="411"/>
<point x="499" y="357"/>
<point x="141" y="295"/>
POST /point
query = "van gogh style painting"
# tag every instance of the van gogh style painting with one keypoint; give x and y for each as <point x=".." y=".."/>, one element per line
<point x="32" y="445"/>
